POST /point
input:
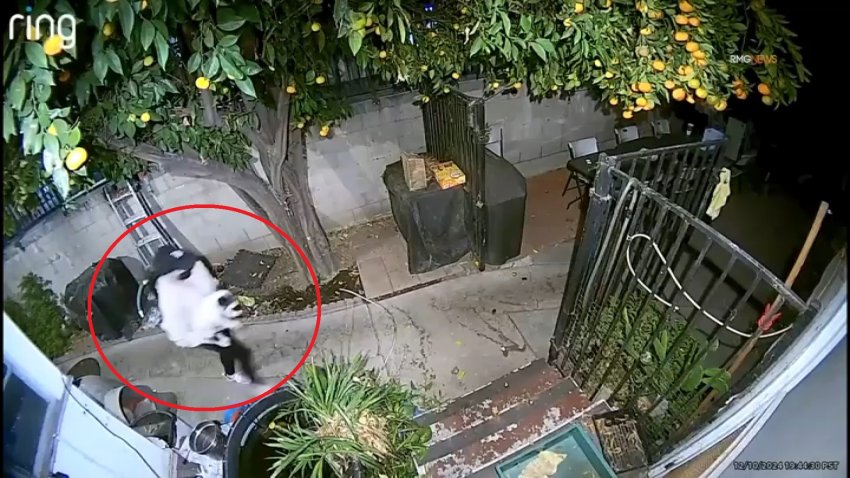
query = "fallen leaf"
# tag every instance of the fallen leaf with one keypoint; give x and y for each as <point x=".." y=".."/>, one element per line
<point x="458" y="343"/>
<point x="246" y="301"/>
<point x="461" y="374"/>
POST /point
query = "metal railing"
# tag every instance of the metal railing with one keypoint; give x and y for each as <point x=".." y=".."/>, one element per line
<point x="651" y="314"/>
<point x="455" y="131"/>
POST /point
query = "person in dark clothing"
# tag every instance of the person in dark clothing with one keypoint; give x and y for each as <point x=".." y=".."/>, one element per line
<point x="197" y="312"/>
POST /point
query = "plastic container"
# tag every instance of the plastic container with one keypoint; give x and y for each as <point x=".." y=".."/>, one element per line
<point x="583" y="458"/>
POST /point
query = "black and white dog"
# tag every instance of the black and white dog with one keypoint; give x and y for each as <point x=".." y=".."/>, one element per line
<point x="197" y="311"/>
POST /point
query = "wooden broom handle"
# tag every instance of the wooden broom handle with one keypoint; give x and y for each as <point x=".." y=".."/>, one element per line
<point x="807" y="246"/>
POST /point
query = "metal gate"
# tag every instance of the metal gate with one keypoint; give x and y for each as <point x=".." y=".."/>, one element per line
<point x="657" y="302"/>
<point x="455" y="131"/>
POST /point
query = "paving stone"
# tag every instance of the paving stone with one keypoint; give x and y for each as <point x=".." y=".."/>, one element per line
<point x="373" y="275"/>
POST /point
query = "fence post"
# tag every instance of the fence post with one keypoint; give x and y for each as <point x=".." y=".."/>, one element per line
<point x="588" y="241"/>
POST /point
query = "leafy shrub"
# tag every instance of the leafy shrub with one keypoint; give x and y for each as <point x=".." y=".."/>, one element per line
<point x="37" y="312"/>
<point x="344" y="416"/>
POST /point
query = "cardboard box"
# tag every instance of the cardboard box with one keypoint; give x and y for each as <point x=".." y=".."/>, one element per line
<point x="448" y="175"/>
<point x="415" y="173"/>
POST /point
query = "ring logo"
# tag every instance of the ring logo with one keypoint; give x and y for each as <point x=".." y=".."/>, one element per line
<point x="65" y="27"/>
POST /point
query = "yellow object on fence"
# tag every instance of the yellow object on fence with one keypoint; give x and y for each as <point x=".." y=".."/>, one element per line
<point x="721" y="194"/>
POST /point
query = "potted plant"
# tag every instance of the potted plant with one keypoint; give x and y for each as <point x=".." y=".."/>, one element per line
<point x="339" y="419"/>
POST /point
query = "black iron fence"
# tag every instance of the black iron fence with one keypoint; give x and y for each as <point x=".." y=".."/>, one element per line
<point x="455" y="131"/>
<point x="658" y="302"/>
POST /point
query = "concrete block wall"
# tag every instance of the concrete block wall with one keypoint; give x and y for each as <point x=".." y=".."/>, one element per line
<point x="345" y="171"/>
<point x="62" y="246"/>
<point x="345" y="175"/>
<point x="217" y="234"/>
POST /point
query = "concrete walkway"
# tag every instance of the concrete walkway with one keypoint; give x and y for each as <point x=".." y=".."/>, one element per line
<point x="447" y="339"/>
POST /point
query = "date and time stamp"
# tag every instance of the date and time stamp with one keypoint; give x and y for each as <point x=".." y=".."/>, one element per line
<point x="776" y="465"/>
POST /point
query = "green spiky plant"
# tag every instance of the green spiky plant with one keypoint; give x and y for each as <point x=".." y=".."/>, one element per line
<point x="345" y="415"/>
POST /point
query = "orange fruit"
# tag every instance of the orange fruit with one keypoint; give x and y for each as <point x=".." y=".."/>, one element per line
<point x="681" y="36"/>
<point x="53" y="45"/>
<point x="741" y="94"/>
<point x="720" y="106"/>
<point x="291" y="89"/>
<point x="767" y="100"/>
<point x="425" y="99"/>
<point x="76" y="158"/>
<point x="517" y="85"/>
<point x="693" y="83"/>
<point x="679" y="94"/>
<point x="644" y="87"/>
<point x="686" y="7"/>
<point x="634" y="87"/>
<point x="681" y="19"/>
<point x="608" y="75"/>
<point x="320" y="80"/>
<point x="694" y="22"/>
<point x="669" y="84"/>
<point x="764" y="89"/>
<point x="382" y="54"/>
<point x="691" y="46"/>
<point x="315" y="26"/>
<point x="702" y="62"/>
<point x="64" y="76"/>
<point x="691" y="99"/>
<point x="628" y="114"/>
<point x="579" y="7"/>
<point x="641" y="102"/>
<point x="202" y="83"/>
<point x="698" y="54"/>
<point x="613" y="101"/>
<point x="108" y="29"/>
<point x="658" y="65"/>
<point x="701" y="93"/>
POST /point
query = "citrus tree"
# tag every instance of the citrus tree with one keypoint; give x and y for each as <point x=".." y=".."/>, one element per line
<point x="202" y="88"/>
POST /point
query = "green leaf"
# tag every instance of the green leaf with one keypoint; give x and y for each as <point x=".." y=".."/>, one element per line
<point x="114" y="62"/>
<point x="525" y="23"/>
<point x="50" y="160"/>
<point x="17" y="93"/>
<point x="252" y="68"/>
<point x="693" y="379"/>
<point x="9" y="128"/>
<point x="127" y="17"/>
<point x="713" y="372"/>
<point x="249" y="12"/>
<point x="161" y="49"/>
<point x="62" y="181"/>
<point x="355" y="40"/>
<point x="156" y="6"/>
<point x="546" y="44"/>
<point x="74" y="137"/>
<point x="228" y="20"/>
<point x="42" y="76"/>
<point x="147" y="33"/>
<point x="246" y="86"/>
<point x="229" y="68"/>
<point x="212" y="67"/>
<point x="228" y="40"/>
<point x="477" y="45"/>
<point x="35" y="54"/>
<point x="402" y="30"/>
<point x="541" y="52"/>
<point x="506" y="23"/>
<point x="320" y="40"/>
<point x="100" y="67"/>
<point x="194" y="62"/>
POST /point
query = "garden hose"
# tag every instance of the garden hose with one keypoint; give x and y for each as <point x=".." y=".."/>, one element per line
<point x="679" y="285"/>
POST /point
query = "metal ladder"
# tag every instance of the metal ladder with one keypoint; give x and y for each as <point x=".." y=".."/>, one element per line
<point x="130" y="209"/>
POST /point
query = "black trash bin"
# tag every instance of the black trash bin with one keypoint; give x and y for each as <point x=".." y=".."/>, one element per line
<point x="113" y="301"/>
<point x="504" y="196"/>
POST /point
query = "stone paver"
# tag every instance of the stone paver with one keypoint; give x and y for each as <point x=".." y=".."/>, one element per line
<point x="449" y="339"/>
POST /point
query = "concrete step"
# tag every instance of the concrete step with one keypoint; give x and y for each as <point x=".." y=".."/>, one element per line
<point x="479" y="429"/>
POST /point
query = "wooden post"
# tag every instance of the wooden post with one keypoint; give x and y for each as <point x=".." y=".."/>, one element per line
<point x="738" y="359"/>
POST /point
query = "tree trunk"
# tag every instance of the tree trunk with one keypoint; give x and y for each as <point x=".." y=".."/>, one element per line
<point x="285" y="199"/>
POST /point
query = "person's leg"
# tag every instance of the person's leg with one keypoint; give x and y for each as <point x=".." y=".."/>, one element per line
<point x="225" y="354"/>
<point x="243" y="355"/>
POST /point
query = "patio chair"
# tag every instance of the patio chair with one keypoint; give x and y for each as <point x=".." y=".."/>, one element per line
<point x="629" y="133"/>
<point x="579" y="148"/>
<point x="661" y="126"/>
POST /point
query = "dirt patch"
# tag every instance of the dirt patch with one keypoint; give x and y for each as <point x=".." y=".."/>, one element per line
<point x="287" y="299"/>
